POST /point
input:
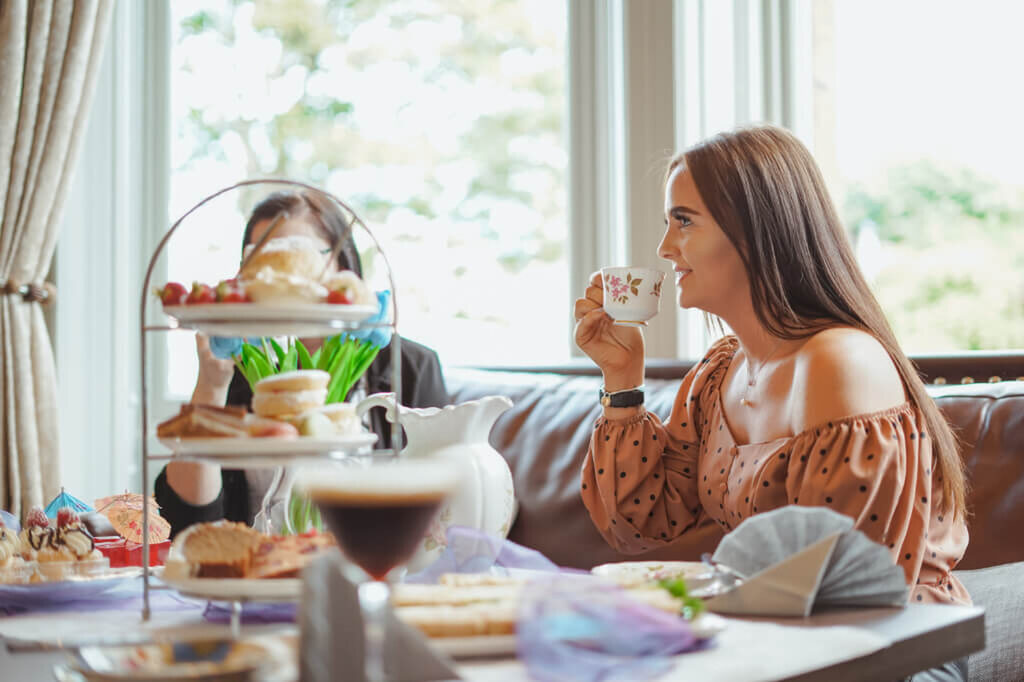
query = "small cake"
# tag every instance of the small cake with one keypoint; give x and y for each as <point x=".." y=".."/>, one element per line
<point x="218" y="550"/>
<point x="282" y="271"/>
<point x="36" y="533"/>
<point x="10" y="547"/>
<point x="336" y="419"/>
<point x="208" y="421"/>
<point x="69" y="549"/>
<point x="73" y="536"/>
<point x="352" y="287"/>
<point x="285" y="395"/>
<point x="284" y="556"/>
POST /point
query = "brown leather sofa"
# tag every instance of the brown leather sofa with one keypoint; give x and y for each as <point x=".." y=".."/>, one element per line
<point x="544" y="438"/>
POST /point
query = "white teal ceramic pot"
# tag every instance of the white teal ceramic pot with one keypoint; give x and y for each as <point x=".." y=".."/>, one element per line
<point x="486" y="500"/>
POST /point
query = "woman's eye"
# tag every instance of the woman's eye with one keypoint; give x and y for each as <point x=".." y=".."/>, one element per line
<point x="684" y="220"/>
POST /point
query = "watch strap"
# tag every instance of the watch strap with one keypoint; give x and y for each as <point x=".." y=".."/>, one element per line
<point x="630" y="397"/>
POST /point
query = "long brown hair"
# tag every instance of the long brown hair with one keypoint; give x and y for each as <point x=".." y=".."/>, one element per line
<point x="764" y="189"/>
<point x="326" y="215"/>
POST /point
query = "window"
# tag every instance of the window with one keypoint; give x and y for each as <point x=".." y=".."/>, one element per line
<point x="441" y="123"/>
<point x="918" y="129"/>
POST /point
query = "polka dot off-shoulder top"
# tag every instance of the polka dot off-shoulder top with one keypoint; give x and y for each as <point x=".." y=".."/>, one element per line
<point x="645" y="483"/>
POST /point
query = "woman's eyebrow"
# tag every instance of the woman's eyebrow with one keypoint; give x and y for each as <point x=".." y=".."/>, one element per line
<point x="684" y="209"/>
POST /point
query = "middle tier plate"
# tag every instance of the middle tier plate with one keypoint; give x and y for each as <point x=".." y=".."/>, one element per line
<point x="259" y="452"/>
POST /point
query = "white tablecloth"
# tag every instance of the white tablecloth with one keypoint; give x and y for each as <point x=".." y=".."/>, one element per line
<point x="745" y="650"/>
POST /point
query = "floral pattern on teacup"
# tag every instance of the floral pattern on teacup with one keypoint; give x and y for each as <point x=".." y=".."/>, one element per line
<point x="618" y="289"/>
<point x="656" y="290"/>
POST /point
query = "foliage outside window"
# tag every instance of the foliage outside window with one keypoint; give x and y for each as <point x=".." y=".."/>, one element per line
<point x="440" y="122"/>
<point x="922" y="149"/>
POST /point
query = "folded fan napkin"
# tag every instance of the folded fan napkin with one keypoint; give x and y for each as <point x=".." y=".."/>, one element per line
<point x="578" y="628"/>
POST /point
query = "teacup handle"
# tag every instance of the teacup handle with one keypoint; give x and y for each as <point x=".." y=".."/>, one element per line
<point x="385" y="400"/>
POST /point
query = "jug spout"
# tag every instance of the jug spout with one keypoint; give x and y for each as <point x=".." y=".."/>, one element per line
<point x="490" y="408"/>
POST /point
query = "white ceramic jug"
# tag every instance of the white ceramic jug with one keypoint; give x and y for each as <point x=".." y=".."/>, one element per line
<point x="486" y="500"/>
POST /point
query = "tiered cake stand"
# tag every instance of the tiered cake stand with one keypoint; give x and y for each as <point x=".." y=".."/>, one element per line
<point x="253" y="320"/>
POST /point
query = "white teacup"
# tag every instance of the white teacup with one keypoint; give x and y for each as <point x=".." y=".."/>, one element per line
<point x="631" y="294"/>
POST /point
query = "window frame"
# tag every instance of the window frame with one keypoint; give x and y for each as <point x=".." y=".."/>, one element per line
<point x="636" y="94"/>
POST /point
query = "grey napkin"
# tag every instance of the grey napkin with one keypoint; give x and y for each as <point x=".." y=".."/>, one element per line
<point x="332" y="633"/>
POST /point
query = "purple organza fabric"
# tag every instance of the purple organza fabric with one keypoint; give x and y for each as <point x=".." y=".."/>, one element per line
<point x="252" y="613"/>
<point x="472" y="551"/>
<point x="121" y="594"/>
<point x="572" y="627"/>
<point x="578" y="628"/>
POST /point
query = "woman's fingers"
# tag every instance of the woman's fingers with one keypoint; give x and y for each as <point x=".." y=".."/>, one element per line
<point x="588" y="327"/>
<point x="203" y="344"/>
<point x="595" y="289"/>
<point x="582" y="307"/>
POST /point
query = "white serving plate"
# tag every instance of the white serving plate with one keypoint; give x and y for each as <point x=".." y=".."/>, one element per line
<point x="641" y="571"/>
<point x="237" y="589"/>
<point x="267" y="452"/>
<point x="200" y="660"/>
<point x="269" y="319"/>
<point x="46" y="593"/>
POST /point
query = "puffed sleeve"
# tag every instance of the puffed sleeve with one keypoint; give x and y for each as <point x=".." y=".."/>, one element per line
<point x="875" y="469"/>
<point x="639" y="474"/>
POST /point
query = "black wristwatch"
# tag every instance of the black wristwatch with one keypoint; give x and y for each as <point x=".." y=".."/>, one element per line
<point x="631" y="397"/>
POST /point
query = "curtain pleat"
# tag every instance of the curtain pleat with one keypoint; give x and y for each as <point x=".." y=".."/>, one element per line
<point x="50" y="52"/>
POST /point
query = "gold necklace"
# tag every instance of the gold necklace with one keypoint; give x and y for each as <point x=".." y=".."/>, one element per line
<point x="753" y="376"/>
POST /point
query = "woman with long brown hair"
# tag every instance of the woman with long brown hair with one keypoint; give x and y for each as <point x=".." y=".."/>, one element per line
<point x="810" y="401"/>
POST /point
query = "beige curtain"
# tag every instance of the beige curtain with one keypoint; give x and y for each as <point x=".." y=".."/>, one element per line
<point x="50" y="51"/>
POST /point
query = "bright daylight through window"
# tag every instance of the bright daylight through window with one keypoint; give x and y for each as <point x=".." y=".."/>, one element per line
<point x="440" y="123"/>
<point x="923" y="159"/>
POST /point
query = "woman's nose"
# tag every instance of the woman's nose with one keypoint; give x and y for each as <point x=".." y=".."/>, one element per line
<point x="664" y="250"/>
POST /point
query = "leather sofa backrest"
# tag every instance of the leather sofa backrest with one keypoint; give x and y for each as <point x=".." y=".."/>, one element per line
<point x="544" y="438"/>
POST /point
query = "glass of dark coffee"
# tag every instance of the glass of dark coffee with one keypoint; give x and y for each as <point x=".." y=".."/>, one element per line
<point x="379" y="509"/>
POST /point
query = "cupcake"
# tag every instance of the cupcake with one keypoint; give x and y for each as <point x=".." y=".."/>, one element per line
<point x="75" y="544"/>
<point x="10" y="547"/>
<point x="36" y="534"/>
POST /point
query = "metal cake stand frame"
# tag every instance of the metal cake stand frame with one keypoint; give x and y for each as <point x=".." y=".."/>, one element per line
<point x="324" y="325"/>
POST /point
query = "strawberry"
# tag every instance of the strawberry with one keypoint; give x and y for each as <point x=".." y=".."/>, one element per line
<point x="341" y="296"/>
<point x="231" y="291"/>
<point x="236" y="297"/>
<point x="37" y="517"/>
<point x="66" y="516"/>
<point x="201" y="293"/>
<point x="173" y="293"/>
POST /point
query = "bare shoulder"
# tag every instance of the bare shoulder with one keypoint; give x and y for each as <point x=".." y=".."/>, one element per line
<point x="842" y="372"/>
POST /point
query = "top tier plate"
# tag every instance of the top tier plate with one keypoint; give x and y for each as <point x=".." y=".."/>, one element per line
<point x="270" y="319"/>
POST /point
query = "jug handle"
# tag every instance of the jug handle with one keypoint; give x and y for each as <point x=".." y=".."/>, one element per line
<point x="385" y="400"/>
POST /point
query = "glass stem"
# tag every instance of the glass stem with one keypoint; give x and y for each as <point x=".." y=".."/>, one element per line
<point x="263" y="521"/>
<point x="374" y="596"/>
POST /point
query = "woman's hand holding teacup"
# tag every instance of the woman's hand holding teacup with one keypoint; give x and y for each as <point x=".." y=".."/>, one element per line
<point x="617" y="350"/>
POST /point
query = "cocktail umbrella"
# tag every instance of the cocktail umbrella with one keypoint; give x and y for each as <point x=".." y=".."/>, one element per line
<point x="65" y="499"/>
<point x="124" y="512"/>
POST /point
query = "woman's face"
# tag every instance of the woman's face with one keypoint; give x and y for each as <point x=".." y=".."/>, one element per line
<point x="708" y="269"/>
<point x="299" y="226"/>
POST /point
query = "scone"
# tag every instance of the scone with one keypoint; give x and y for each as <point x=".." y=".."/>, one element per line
<point x="285" y="395"/>
<point x="218" y="550"/>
